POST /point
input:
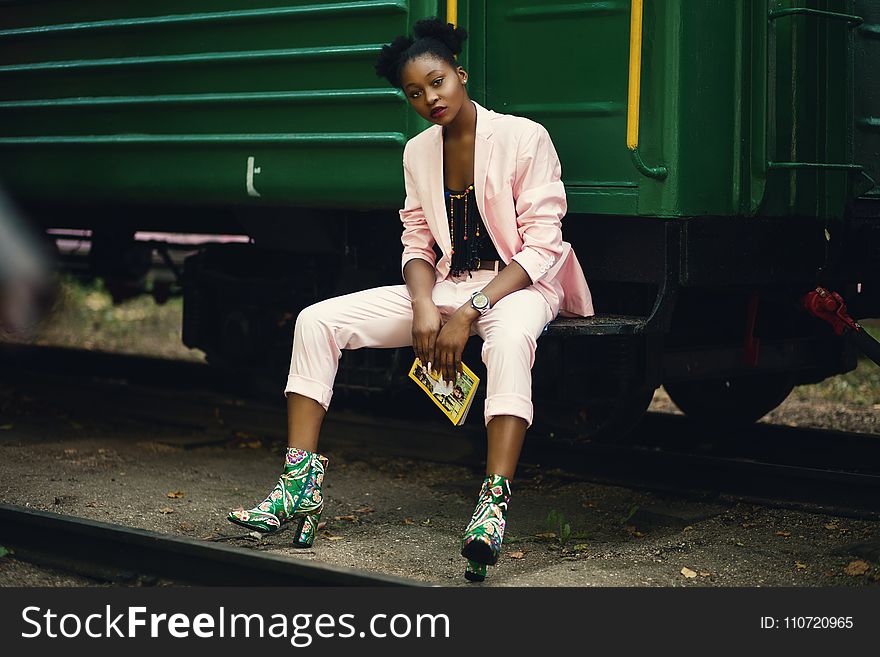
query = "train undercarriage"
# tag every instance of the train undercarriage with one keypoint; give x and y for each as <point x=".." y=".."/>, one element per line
<point x="710" y="308"/>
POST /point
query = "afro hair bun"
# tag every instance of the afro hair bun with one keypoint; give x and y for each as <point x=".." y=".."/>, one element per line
<point x="388" y="62"/>
<point x="433" y="36"/>
<point x="446" y="33"/>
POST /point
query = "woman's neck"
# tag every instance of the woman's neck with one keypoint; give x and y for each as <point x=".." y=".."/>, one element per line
<point x="464" y="124"/>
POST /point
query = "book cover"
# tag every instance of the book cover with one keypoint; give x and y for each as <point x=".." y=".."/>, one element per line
<point x="454" y="399"/>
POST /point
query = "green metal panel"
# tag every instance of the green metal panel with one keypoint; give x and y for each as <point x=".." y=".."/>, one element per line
<point x="866" y="137"/>
<point x="810" y="112"/>
<point x="167" y="101"/>
<point x="159" y="100"/>
<point x="696" y="108"/>
<point x="564" y="64"/>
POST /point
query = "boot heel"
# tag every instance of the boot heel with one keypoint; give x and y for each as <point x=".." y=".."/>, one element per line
<point x="306" y="529"/>
<point x="475" y="572"/>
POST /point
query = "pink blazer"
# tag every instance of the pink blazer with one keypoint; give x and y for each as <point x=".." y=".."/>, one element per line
<point x="521" y="201"/>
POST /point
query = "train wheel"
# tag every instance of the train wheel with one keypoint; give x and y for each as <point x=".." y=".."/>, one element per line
<point x="739" y="400"/>
<point x="611" y="420"/>
<point x="605" y="419"/>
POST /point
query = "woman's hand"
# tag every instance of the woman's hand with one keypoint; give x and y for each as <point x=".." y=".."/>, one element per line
<point x="425" y="327"/>
<point x="451" y="342"/>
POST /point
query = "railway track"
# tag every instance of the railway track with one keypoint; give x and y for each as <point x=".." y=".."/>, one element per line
<point x="119" y="554"/>
<point x="825" y="471"/>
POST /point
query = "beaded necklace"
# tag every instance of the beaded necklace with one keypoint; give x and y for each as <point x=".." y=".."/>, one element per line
<point x="468" y="230"/>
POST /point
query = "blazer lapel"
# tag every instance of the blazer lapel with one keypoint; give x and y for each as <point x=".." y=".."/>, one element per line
<point x="482" y="152"/>
<point x="483" y="143"/>
<point x="438" y="200"/>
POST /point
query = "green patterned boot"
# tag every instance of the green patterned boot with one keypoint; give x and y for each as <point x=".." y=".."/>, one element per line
<point x="481" y="544"/>
<point x="296" y="498"/>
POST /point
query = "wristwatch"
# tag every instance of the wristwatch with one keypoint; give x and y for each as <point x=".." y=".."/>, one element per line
<point x="480" y="302"/>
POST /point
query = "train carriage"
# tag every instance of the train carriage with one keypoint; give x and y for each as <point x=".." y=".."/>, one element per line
<point x="720" y="157"/>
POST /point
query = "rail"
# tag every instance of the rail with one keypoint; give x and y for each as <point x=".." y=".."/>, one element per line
<point x="634" y="94"/>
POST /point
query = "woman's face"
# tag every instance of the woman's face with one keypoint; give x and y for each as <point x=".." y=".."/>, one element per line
<point x="431" y="85"/>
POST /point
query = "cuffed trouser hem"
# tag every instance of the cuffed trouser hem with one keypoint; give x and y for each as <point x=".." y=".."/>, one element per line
<point x="509" y="404"/>
<point x="302" y="385"/>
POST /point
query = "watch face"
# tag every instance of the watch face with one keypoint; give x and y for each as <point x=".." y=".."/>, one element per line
<point x="480" y="301"/>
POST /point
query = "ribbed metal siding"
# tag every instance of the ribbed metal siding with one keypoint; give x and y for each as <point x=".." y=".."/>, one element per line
<point x="139" y="101"/>
<point x="866" y="140"/>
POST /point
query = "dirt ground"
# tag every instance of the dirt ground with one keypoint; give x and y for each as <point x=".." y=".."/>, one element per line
<point x="399" y="517"/>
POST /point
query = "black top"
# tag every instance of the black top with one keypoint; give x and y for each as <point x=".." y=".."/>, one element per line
<point x="471" y="243"/>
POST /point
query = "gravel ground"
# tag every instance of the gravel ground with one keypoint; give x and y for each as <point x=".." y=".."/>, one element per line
<point x="404" y="518"/>
<point x="400" y="517"/>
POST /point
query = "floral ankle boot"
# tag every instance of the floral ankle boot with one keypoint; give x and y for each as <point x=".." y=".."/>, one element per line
<point x="481" y="544"/>
<point x="296" y="498"/>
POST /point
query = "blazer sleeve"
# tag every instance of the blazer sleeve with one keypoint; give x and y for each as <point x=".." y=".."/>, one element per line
<point x="417" y="239"/>
<point x="540" y="203"/>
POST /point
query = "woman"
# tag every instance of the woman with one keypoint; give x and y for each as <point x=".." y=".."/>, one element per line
<point x="504" y="275"/>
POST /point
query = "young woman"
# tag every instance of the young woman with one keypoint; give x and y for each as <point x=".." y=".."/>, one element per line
<point x="486" y="188"/>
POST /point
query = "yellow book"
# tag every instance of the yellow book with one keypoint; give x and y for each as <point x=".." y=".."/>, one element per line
<point x="454" y="399"/>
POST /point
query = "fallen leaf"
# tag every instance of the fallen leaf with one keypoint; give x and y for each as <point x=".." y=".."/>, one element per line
<point x="70" y="451"/>
<point x="687" y="572"/>
<point x="856" y="568"/>
<point x="704" y="573"/>
<point x="334" y="538"/>
<point x="365" y="509"/>
<point x="407" y="521"/>
<point x="831" y="525"/>
<point x="426" y="522"/>
<point x="349" y="518"/>
<point x="546" y="535"/>
<point x="786" y="534"/>
<point x="322" y="524"/>
<point x="516" y="555"/>
<point x="746" y="525"/>
<point x="166" y="510"/>
<point x="580" y="546"/>
<point x="688" y="528"/>
<point x="250" y="444"/>
<point x="175" y="494"/>
<point x="799" y="565"/>
<point x="632" y="530"/>
<point x="257" y="536"/>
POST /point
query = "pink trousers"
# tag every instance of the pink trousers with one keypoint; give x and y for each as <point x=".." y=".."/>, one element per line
<point x="382" y="317"/>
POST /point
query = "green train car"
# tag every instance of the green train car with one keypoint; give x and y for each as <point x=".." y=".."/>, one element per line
<point x="721" y="159"/>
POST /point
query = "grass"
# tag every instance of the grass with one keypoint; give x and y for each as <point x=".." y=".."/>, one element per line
<point x="84" y="317"/>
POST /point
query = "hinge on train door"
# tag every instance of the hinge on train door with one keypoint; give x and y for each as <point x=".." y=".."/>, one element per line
<point x="829" y="306"/>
